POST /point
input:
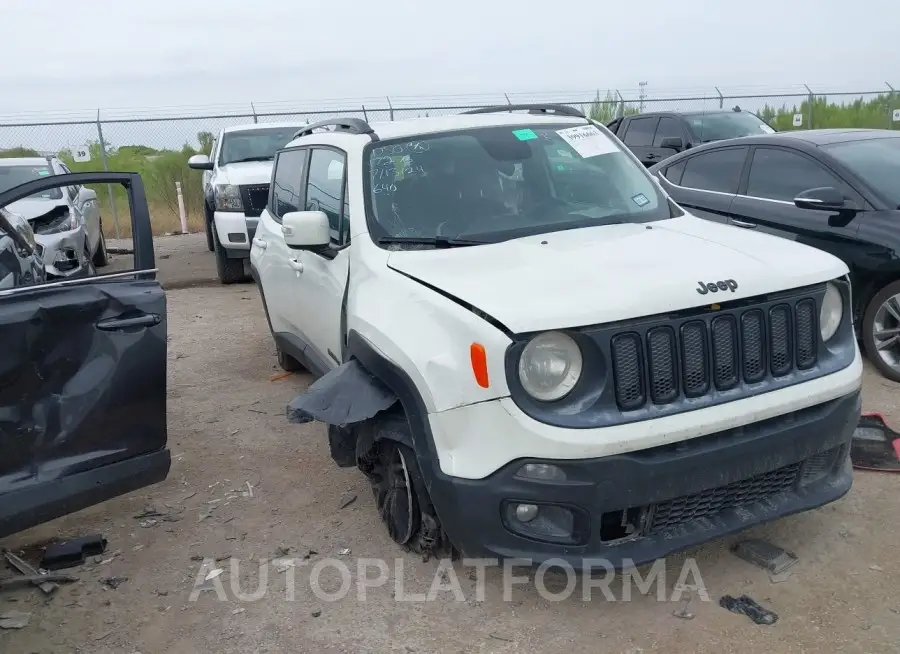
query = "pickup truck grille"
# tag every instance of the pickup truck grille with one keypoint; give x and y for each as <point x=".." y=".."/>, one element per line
<point x="254" y="198"/>
<point x="713" y="354"/>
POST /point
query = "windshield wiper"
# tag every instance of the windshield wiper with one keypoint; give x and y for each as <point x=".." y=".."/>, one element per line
<point x="252" y="159"/>
<point x="436" y="241"/>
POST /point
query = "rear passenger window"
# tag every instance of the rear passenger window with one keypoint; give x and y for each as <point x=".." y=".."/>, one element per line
<point x="718" y="171"/>
<point x="640" y="131"/>
<point x="782" y="175"/>
<point x="287" y="187"/>
<point x="325" y="189"/>
<point x="674" y="173"/>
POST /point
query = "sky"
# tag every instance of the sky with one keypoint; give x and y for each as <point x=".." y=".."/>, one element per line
<point x="141" y="57"/>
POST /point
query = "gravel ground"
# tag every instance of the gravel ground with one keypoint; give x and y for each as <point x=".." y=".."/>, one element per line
<point x="245" y="485"/>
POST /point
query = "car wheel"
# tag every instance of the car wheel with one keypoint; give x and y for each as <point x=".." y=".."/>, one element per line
<point x="89" y="269"/>
<point x="208" y="219"/>
<point x="286" y="362"/>
<point x="881" y="331"/>
<point x="401" y="498"/>
<point x="230" y="270"/>
<point x="101" y="256"/>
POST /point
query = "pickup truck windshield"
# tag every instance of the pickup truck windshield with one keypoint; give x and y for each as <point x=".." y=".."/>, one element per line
<point x="12" y="176"/>
<point x="497" y="183"/>
<point x="877" y="161"/>
<point x="255" y="144"/>
<point x="731" y="125"/>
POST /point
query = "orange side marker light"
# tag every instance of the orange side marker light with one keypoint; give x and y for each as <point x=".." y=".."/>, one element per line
<point x="479" y="364"/>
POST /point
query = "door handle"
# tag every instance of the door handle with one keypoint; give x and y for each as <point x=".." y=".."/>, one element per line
<point x="115" y="324"/>
<point x="741" y="223"/>
<point x="260" y="243"/>
<point x="296" y="265"/>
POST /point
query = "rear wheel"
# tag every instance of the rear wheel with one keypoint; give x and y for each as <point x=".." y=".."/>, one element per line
<point x="230" y="270"/>
<point x="208" y="220"/>
<point x="88" y="264"/>
<point x="286" y="362"/>
<point x="881" y="331"/>
<point x="101" y="256"/>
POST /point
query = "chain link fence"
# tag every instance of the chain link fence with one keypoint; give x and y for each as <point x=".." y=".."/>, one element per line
<point x="158" y="146"/>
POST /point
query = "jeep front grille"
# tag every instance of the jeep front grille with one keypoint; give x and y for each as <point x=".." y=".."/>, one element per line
<point x="715" y="353"/>
<point x="255" y="198"/>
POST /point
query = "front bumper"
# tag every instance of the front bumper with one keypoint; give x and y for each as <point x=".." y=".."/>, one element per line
<point x="235" y="231"/>
<point x="63" y="253"/>
<point x="674" y="496"/>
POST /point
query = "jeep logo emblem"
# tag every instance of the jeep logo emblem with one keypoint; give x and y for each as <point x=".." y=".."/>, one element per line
<point x="714" y="287"/>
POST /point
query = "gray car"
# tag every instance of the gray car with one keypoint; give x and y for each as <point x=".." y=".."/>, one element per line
<point x="66" y="222"/>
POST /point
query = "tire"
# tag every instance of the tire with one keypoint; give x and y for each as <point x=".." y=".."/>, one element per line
<point x="101" y="256"/>
<point x="286" y="362"/>
<point x="880" y="317"/>
<point x="401" y="496"/>
<point x="230" y="271"/>
<point x="208" y="220"/>
<point x="89" y="269"/>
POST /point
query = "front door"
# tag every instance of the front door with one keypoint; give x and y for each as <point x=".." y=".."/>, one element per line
<point x="82" y="379"/>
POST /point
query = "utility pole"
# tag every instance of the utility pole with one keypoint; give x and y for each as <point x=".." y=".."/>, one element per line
<point x="643" y="94"/>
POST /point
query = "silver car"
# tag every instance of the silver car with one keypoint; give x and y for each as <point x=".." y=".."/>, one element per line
<point x="66" y="222"/>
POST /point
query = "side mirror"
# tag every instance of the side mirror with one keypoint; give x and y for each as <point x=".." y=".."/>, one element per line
<point x="826" y="198"/>
<point x="306" y="229"/>
<point x="89" y="194"/>
<point x="672" y="143"/>
<point x="200" y="162"/>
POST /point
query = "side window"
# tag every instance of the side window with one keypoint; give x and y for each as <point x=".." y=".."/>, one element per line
<point x="719" y="170"/>
<point x="781" y="175"/>
<point x="287" y="183"/>
<point x="674" y="173"/>
<point x="668" y="128"/>
<point x="640" y="131"/>
<point x="325" y="188"/>
<point x="72" y="190"/>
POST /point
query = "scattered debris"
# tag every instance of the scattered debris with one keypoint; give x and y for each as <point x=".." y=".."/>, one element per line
<point x="14" y="619"/>
<point x="71" y="553"/>
<point x="683" y="612"/>
<point x="212" y="574"/>
<point x="876" y="568"/>
<point x="344" y="551"/>
<point x="103" y="635"/>
<point x="249" y="489"/>
<point x="149" y="512"/>
<point x="281" y="552"/>
<point x="150" y="522"/>
<point x="18" y="582"/>
<point x="209" y="511"/>
<point x="874" y="445"/>
<point x="113" y="582"/>
<point x="280" y="376"/>
<point x="744" y="605"/>
<point x="764" y="554"/>
<point x="347" y="500"/>
<point x="238" y="611"/>
<point x="197" y="557"/>
<point x="137" y="548"/>
<point x="505" y="640"/>
<point x="283" y="565"/>
<point x="316" y="613"/>
<point x="26" y="568"/>
<point x="189" y="496"/>
<point x="780" y="577"/>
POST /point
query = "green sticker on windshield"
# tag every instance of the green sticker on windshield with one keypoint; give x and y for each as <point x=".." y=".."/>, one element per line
<point x="524" y="134"/>
<point x="43" y="172"/>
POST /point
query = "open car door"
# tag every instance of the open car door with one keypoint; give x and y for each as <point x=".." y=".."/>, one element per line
<point x="82" y="378"/>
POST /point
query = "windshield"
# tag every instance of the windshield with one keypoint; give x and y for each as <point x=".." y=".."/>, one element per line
<point x="12" y="176"/>
<point x="876" y="161"/>
<point x="255" y="144"/>
<point x="732" y="125"/>
<point x="496" y="183"/>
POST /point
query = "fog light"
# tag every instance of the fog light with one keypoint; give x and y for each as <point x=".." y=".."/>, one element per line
<point x="526" y="512"/>
<point x="542" y="472"/>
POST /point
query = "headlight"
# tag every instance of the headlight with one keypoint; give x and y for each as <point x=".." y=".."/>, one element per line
<point x="228" y="198"/>
<point x="832" y="311"/>
<point x="550" y="366"/>
<point x="63" y="223"/>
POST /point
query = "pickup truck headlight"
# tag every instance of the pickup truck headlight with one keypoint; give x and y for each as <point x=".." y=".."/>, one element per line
<point x="228" y="198"/>
<point x="550" y="366"/>
<point x="63" y="223"/>
<point x="831" y="312"/>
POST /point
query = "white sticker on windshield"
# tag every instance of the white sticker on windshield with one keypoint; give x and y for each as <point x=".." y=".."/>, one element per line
<point x="335" y="170"/>
<point x="765" y="128"/>
<point x="587" y="140"/>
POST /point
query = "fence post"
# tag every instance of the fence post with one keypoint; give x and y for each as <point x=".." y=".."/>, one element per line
<point x="390" y="106"/>
<point x="620" y="109"/>
<point x="365" y="115"/>
<point x="182" y="214"/>
<point x="112" y="200"/>
<point x="721" y="97"/>
<point x="890" y="106"/>
<point x="253" y="109"/>
<point x="809" y="108"/>
<point x="506" y="95"/>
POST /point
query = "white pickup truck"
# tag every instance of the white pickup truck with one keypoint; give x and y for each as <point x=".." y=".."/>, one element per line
<point x="236" y="188"/>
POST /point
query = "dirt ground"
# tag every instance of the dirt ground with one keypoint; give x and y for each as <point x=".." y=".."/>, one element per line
<point x="245" y="483"/>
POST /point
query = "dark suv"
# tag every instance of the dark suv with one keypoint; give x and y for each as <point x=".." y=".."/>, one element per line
<point x="656" y="136"/>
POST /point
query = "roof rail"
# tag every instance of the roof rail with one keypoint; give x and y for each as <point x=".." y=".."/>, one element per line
<point x="351" y="125"/>
<point x="560" y="109"/>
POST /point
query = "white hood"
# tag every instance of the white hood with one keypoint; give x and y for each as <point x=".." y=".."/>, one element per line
<point x="31" y="208"/>
<point x="247" y="172"/>
<point x="615" y="272"/>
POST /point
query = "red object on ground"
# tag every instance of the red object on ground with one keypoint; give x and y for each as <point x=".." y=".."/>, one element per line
<point x="874" y="445"/>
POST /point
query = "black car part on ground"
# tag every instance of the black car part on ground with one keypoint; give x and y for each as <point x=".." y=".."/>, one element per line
<point x="82" y="379"/>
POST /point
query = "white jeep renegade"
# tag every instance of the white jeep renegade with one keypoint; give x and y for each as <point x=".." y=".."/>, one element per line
<point x="533" y="353"/>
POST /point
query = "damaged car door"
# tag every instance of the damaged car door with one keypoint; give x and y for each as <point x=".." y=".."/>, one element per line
<point x="82" y="378"/>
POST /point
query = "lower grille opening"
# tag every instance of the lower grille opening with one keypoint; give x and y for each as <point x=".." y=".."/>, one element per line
<point x="618" y="525"/>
